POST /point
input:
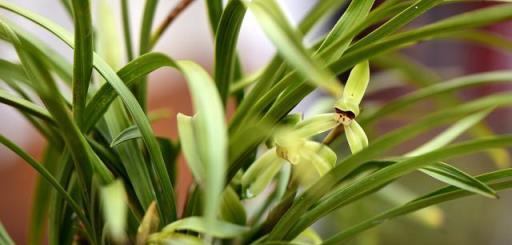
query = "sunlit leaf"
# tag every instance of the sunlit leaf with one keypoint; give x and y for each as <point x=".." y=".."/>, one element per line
<point x="114" y="207"/>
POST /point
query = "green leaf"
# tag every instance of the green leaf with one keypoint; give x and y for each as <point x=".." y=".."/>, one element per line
<point x="289" y="44"/>
<point x="260" y="173"/>
<point x="356" y="13"/>
<point x="435" y="197"/>
<point x="453" y="176"/>
<point x="231" y="209"/>
<point x="114" y="207"/>
<point x="59" y="214"/>
<point x="145" y="46"/>
<point x="308" y="236"/>
<point x="4" y="236"/>
<point x="26" y="106"/>
<point x="9" y="70"/>
<point x="451" y="133"/>
<point x="42" y="191"/>
<point x="129" y="133"/>
<point x="211" y="133"/>
<point x="220" y="229"/>
<point x="165" y="195"/>
<point x="125" y="13"/>
<point x="170" y="152"/>
<point x="194" y="203"/>
<point x="225" y="46"/>
<point x="83" y="52"/>
<point x="131" y="157"/>
<point x="188" y="139"/>
<point x="130" y="75"/>
<point x="132" y="160"/>
<point x="117" y="119"/>
<point x="215" y="10"/>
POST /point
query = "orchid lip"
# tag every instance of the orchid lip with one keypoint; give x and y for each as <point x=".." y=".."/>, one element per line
<point x="344" y="117"/>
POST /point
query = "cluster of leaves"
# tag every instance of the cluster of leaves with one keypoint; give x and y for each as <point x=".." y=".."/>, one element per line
<point x="111" y="180"/>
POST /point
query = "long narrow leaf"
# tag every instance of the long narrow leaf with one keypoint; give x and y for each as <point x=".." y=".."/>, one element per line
<point x="439" y="196"/>
<point x="290" y="46"/>
<point x="211" y="133"/>
<point x="188" y="139"/>
<point x="25" y="106"/>
<point x="453" y="176"/>
<point x="225" y="46"/>
<point x="215" y="10"/>
<point x="42" y="191"/>
<point x="83" y="52"/>
<point x="450" y="134"/>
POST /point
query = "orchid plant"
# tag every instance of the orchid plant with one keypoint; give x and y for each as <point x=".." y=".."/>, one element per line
<point x="263" y="175"/>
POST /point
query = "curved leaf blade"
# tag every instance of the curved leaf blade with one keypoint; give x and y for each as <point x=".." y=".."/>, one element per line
<point x="453" y="176"/>
<point x="290" y="46"/>
<point x="129" y="133"/>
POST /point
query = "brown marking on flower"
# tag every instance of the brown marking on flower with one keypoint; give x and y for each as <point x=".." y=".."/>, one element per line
<point x="344" y="117"/>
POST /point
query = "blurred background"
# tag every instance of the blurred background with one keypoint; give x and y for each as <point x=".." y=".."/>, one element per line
<point x="473" y="220"/>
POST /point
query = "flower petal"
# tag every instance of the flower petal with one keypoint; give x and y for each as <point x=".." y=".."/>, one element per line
<point x="355" y="88"/>
<point x="356" y="137"/>
<point x="260" y="173"/>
